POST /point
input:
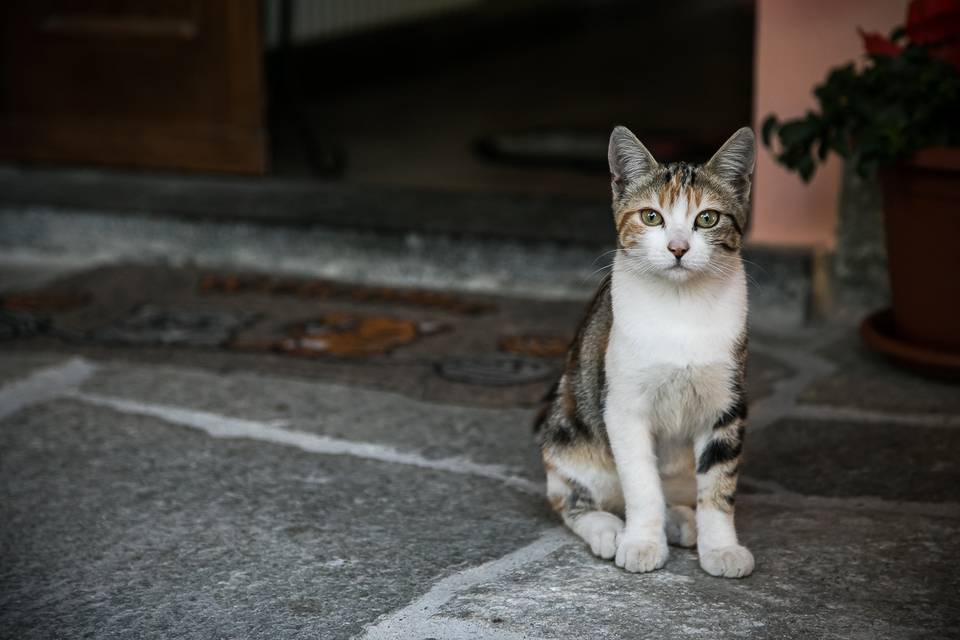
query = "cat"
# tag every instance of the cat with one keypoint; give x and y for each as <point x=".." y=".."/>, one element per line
<point x="647" y="419"/>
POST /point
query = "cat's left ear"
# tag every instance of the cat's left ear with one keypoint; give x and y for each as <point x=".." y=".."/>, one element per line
<point x="629" y="159"/>
<point x="733" y="163"/>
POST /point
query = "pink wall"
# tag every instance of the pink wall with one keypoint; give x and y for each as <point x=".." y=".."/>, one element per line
<point x="797" y="42"/>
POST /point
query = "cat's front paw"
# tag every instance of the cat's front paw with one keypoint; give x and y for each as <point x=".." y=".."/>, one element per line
<point x="640" y="555"/>
<point x="734" y="561"/>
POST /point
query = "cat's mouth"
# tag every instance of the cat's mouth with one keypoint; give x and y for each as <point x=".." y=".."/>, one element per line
<point x="679" y="272"/>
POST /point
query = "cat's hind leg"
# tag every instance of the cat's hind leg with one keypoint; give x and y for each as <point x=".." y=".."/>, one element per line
<point x="680" y="491"/>
<point x="681" y="526"/>
<point x="585" y="492"/>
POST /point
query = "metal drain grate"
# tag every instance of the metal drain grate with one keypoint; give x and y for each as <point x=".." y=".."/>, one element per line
<point x="18" y="324"/>
<point x="148" y="325"/>
<point x="494" y="372"/>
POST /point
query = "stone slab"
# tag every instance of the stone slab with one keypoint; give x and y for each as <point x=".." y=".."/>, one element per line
<point x="503" y="437"/>
<point x="820" y="573"/>
<point x="437" y="430"/>
<point x="763" y="373"/>
<point x="116" y="526"/>
<point x="830" y="458"/>
<point x="15" y="365"/>
<point x="865" y="380"/>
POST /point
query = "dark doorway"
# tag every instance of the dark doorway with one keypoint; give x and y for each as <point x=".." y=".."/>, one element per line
<point x="503" y="96"/>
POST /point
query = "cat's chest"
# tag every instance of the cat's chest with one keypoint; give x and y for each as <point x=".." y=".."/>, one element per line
<point x="651" y="329"/>
<point x="674" y="357"/>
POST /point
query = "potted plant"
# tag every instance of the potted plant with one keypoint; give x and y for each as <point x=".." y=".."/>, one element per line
<point x="899" y="114"/>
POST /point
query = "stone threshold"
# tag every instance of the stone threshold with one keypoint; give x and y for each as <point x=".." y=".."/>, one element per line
<point x="302" y="203"/>
<point x="520" y="245"/>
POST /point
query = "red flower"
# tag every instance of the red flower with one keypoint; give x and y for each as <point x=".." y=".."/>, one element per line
<point x="936" y="23"/>
<point x="933" y="21"/>
<point x="876" y="45"/>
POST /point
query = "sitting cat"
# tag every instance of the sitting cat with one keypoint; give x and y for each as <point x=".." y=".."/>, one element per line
<point x="647" y="419"/>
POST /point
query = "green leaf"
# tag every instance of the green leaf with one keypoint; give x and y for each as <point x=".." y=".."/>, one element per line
<point x="874" y="115"/>
<point x="822" y="149"/>
<point x="768" y="128"/>
<point x="798" y="132"/>
<point x="806" y="168"/>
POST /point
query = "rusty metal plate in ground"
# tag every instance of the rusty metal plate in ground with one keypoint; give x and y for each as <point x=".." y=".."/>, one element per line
<point x="539" y="346"/>
<point x="346" y="334"/>
<point x="27" y="314"/>
<point x="40" y="302"/>
<point x="18" y="324"/>
<point x="495" y="372"/>
<point x="328" y="290"/>
<point x="149" y="325"/>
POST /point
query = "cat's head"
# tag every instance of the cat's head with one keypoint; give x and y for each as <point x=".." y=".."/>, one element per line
<point x="680" y="221"/>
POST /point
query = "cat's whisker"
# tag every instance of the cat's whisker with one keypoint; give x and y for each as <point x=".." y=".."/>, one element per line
<point x="595" y="272"/>
<point x="729" y="270"/>
<point x="618" y="250"/>
<point x="753" y="264"/>
<point x="605" y="254"/>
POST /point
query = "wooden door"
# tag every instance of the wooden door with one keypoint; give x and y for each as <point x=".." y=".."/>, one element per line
<point x="152" y="83"/>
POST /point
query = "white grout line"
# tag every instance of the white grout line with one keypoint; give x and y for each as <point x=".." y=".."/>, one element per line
<point x="782" y="401"/>
<point x="809" y="367"/>
<point x="219" y="426"/>
<point x="417" y="621"/>
<point x="853" y="414"/>
<point x="44" y="385"/>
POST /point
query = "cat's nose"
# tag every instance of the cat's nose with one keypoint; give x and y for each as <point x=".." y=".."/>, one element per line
<point x="678" y="247"/>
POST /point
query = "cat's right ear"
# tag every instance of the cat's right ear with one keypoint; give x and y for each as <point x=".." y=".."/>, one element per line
<point x="629" y="159"/>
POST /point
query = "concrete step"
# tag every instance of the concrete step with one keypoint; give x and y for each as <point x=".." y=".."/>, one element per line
<point x="518" y="246"/>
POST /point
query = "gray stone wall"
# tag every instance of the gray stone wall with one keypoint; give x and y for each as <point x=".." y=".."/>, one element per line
<point x="860" y="260"/>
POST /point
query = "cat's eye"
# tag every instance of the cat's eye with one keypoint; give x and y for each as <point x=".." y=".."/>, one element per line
<point x="707" y="219"/>
<point x="651" y="218"/>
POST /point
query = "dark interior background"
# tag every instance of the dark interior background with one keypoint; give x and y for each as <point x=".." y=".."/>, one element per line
<point x="362" y="113"/>
<point x="508" y="96"/>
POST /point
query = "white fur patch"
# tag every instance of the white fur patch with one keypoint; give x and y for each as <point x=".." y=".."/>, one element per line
<point x="671" y="348"/>
<point x="671" y="367"/>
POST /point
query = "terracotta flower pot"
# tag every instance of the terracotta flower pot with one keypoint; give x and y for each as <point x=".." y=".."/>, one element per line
<point x="921" y="202"/>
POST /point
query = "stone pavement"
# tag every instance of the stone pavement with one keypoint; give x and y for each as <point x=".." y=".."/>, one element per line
<point x="190" y="454"/>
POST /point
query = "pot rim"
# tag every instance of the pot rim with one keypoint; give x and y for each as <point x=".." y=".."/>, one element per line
<point x="937" y="158"/>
